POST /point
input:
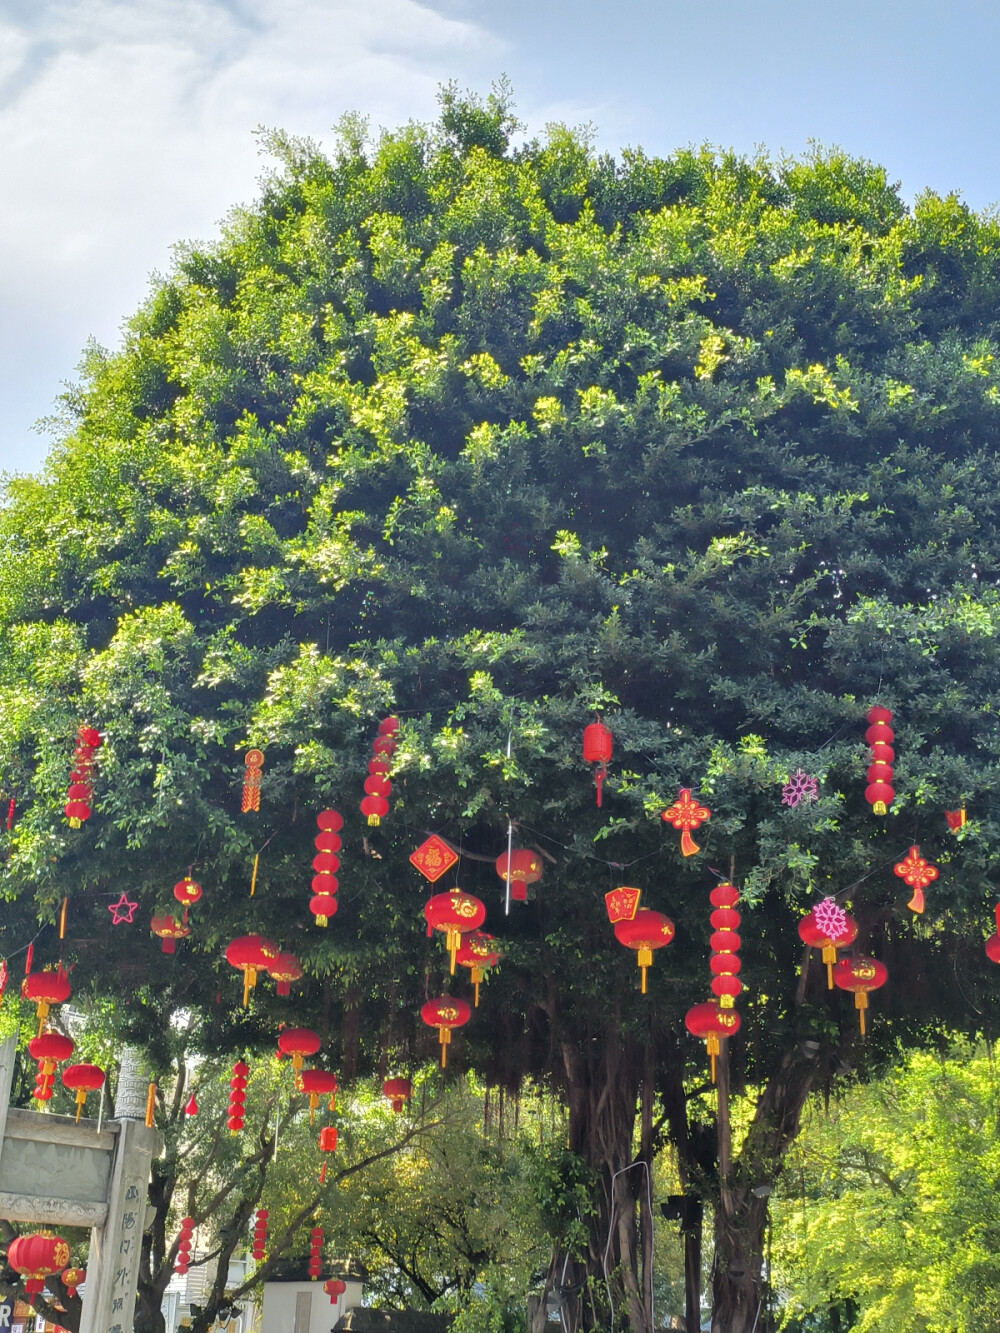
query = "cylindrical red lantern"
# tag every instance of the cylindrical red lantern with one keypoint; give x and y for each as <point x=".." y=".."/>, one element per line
<point x="597" y="745"/>
<point x="250" y="954"/>
<point x="476" y="952"/>
<point x="646" y="931"/>
<point x="860" y="974"/>
<point x="45" y="989"/>
<point x="525" y="867"/>
<point x="284" y="969"/>
<point x="317" y="1083"/>
<point x="36" y="1257"/>
<point x="399" y="1091"/>
<point x="237" y="1096"/>
<point x="454" y="913"/>
<point x="445" y="1013"/>
<point x="82" y="1079"/>
<point x="169" y="930"/>
<point x="327" y="1143"/>
<point x="297" y="1043"/>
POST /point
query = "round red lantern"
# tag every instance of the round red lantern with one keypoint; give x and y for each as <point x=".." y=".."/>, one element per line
<point x="297" y="1043"/>
<point x="376" y="808"/>
<point x="646" y="931"/>
<point x="259" y="1245"/>
<point x="187" y="892"/>
<point x="388" y="726"/>
<point x="323" y="906"/>
<point x="45" y="989"/>
<point x="36" y="1257"/>
<point x="860" y="975"/>
<point x="250" y="954"/>
<point x="454" y="913"/>
<point x="315" y="1252"/>
<point x="816" y="936"/>
<point x="49" y="1049"/>
<point x="82" y="1079"/>
<point x="71" y="1278"/>
<point x="284" y="968"/>
<point x="399" y="1091"/>
<point x="597" y="746"/>
<point x="237" y="1096"/>
<point x="334" y="1288"/>
<point x="521" y="868"/>
<point x="169" y="930"/>
<point x="476" y="952"/>
<point x="330" y="821"/>
<point x="712" y="1024"/>
<point x="445" y="1013"/>
<point x="317" y="1083"/>
<point x="183" y="1260"/>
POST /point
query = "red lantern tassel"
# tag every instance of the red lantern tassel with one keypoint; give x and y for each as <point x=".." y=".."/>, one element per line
<point x="599" y="777"/>
<point x="688" y="844"/>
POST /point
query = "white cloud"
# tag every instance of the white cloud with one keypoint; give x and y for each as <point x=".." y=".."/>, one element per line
<point x="128" y="125"/>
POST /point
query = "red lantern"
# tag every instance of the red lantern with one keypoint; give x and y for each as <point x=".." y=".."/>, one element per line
<point x="334" y="1288"/>
<point x="297" y="1043"/>
<point x="860" y="975"/>
<point x="829" y="935"/>
<point x="284" y="969"/>
<point x="250" y="954"/>
<point x="879" y="792"/>
<point x="254" y="761"/>
<point x="713" y="1024"/>
<point x="454" y="913"/>
<point x="71" y="1278"/>
<point x="187" y="892"/>
<point x="597" y="745"/>
<point x="399" y="1091"/>
<point x="82" y="1079"/>
<point x="317" y="1083"/>
<point x="169" y="930"/>
<point x="444" y="1014"/>
<point x="237" y="1096"/>
<point x="80" y="791"/>
<point x="376" y="808"/>
<point x="36" y="1257"/>
<point x="259" y="1245"/>
<point x="917" y="873"/>
<point x="315" y="1252"/>
<point x="330" y="821"/>
<point x="327" y="1143"/>
<point x="322" y="906"/>
<point x="645" y="932"/>
<point x="686" y="814"/>
<point x="525" y="867"/>
<point x="45" y="989"/>
<point x="183" y="1260"/>
<point x="476" y="952"/>
<point x="48" y="1049"/>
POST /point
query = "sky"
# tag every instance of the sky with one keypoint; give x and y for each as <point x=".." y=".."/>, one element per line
<point x="127" y="126"/>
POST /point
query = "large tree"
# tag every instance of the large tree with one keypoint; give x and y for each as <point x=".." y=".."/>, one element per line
<point x="491" y="437"/>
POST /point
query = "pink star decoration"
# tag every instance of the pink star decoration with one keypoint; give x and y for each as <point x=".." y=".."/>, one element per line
<point x="122" y="910"/>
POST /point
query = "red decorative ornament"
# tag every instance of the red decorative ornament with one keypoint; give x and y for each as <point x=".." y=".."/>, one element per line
<point x="523" y="867"/>
<point x="237" y="1096"/>
<point x="49" y="1049"/>
<point x="183" y="1261"/>
<point x="433" y="858"/>
<point x="476" y="952"/>
<point x="283" y="969"/>
<point x="82" y="1079"/>
<point x="191" y="1106"/>
<point x="956" y="819"/>
<point x="454" y="914"/>
<point x="645" y="932"/>
<point x="80" y="792"/>
<point x="45" y="989"/>
<point x="297" y="1043"/>
<point x="315" y="1252"/>
<point x="880" y="793"/>
<point x="71" y="1278"/>
<point x="597" y="746"/>
<point x="917" y="873"/>
<point x="724" y="963"/>
<point x="123" y="911"/>
<point x="712" y="1024"/>
<point x="445" y="1013"/>
<point x="317" y="1083"/>
<point x="326" y="863"/>
<point x="327" y="1143"/>
<point x="258" y="1247"/>
<point x="36" y="1257"/>
<point x="686" y="814"/>
<point x="254" y="761"/>
<point x="622" y="904"/>
<point x="399" y="1091"/>
<point x="334" y="1288"/>
<point x="187" y="892"/>
<point x="860" y="975"/>
<point x="827" y="937"/>
<point x="375" y="805"/>
<point x="250" y="954"/>
<point x="169" y="930"/>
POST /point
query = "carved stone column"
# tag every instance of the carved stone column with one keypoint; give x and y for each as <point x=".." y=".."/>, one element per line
<point x="133" y="1085"/>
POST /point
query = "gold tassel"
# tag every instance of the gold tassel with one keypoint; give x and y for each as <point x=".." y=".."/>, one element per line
<point x="253" y="874"/>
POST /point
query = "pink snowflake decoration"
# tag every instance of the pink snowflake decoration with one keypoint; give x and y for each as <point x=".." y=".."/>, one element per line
<point x="830" y="918"/>
<point x="799" y="787"/>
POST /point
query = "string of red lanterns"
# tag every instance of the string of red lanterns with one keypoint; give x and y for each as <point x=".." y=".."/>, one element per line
<point x="378" y="788"/>
<point x="258" y="1248"/>
<point x="879" y="792"/>
<point x="326" y="863"/>
<point x="80" y="792"/>
<point x="237" y="1096"/>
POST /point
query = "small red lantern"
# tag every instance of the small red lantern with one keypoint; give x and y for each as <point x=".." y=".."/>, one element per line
<point x="860" y="975"/>
<point x="713" y="1024"/>
<point x="284" y="969"/>
<point x="686" y="814"/>
<point x="36" y="1257"/>
<point x="183" y="1260"/>
<point x="71" y="1278"/>
<point x="317" y="1083"/>
<point x="334" y="1288"/>
<point x="187" y="892"/>
<point x="399" y="1091"/>
<point x="297" y="1043"/>
<point x="49" y="1049"/>
<point x="45" y="989"/>
<point x="169" y="930"/>
<point x="254" y="761"/>
<point x="646" y="931"/>
<point x="250" y="954"/>
<point x="376" y="808"/>
<point x="917" y="873"/>
<point x="237" y="1096"/>
<point x="476" y="952"/>
<point x="445" y="1013"/>
<point x="525" y="867"/>
<point x="879" y="792"/>
<point x="327" y="1143"/>
<point x="315" y="1252"/>
<point x="829" y="934"/>
<point x="454" y="914"/>
<point x="82" y="1079"/>
<point x="597" y="746"/>
<point x="259" y="1245"/>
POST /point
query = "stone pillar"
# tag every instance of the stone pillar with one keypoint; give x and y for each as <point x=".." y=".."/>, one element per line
<point x="133" y="1086"/>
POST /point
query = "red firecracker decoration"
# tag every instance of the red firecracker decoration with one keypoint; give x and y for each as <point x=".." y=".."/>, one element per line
<point x="317" y="1083"/>
<point x="183" y="1261"/>
<point x="334" y="1288"/>
<point x="956" y="819"/>
<point x="454" y="914"/>
<point x="712" y="1024"/>
<point x="434" y="858"/>
<point x="860" y="975"/>
<point x="326" y="863"/>
<point x="525" y="867"/>
<point x="258" y="1247"/>
<point x="445" y="1013"/>
<point x="686" y="814"/>
<point x="645" y="932"/>
<point x="399" y="1091"/>
<point x="880" y="793"/>
<point x="597" y="746"/>
<point x="725" y="942"/>
<point x="476" y="952"/>
<point x="169" y="930"/>
<point x="315" y="1252"/>
<point x="297" y="1043"/>
<point x="80" y="792"/>
<point x="36" y="1257"/>
<point x="622" y="904"/>
<point x="254" y="761"/>
<point x="49" y="1049"/>
<point x="283" y="970"/>
<point x="187" y="892"/>
<point x="828" y="927"/>
<point x="45" y="989"/>
<point x="250" y="954"/>
<point x="82" y="1079"/>
<point x="9" y="823"/>
<point x="237" y="1096"/>
<point x="916" y="873"/>
<point x="327" y="1143"/>
<point x="378" y="788"/>
<point x="71" y="1278"/>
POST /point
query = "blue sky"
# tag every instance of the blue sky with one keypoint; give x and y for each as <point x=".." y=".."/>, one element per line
<point x="127" y="125"/>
